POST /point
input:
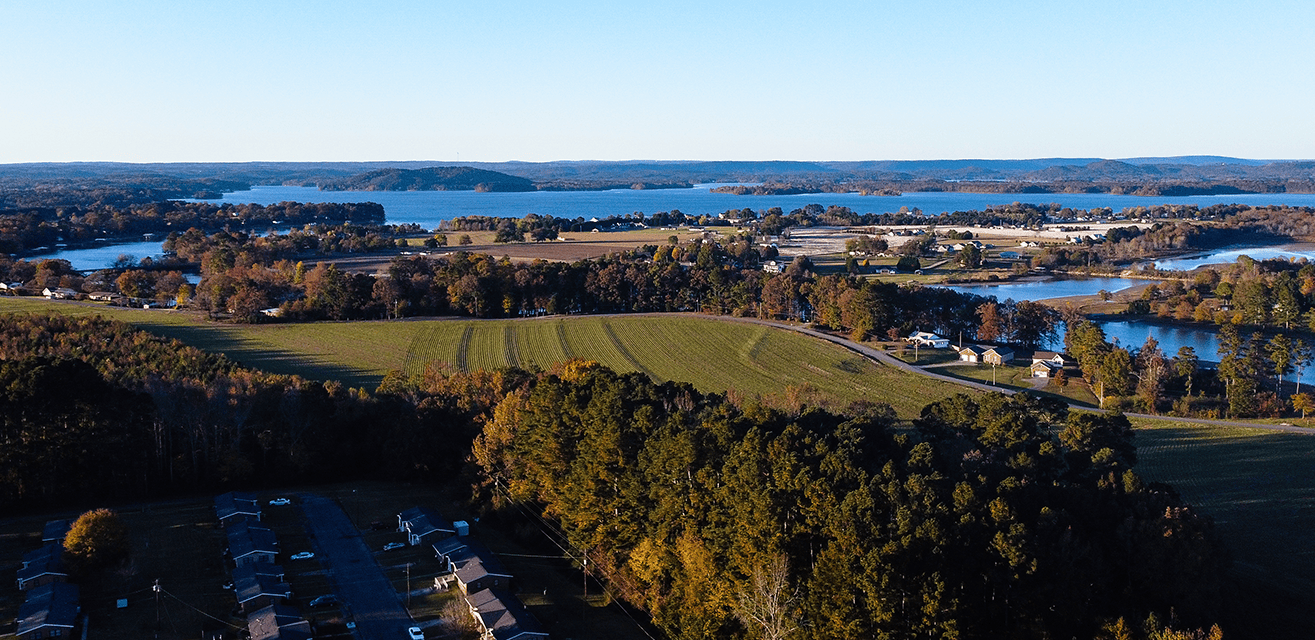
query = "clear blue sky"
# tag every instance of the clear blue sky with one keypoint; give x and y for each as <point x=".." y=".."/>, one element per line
<point x="493" y="80"/>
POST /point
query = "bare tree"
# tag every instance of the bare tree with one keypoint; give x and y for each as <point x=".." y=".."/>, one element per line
<point x="768" y="602"/>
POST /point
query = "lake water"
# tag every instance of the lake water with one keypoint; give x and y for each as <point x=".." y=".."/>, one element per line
<point x="428" y="208"/>
<point x="103" y="254"/>
<point x="1230" y="255"/>
<point x="1046" y="289"/>
<point x="1132" y="335"/>
<point x="1127" y="334"/>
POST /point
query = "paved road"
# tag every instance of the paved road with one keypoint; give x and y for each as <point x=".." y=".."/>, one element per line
<point x="360" y="583"/>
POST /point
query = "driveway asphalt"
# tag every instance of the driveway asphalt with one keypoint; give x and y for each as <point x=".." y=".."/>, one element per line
<point x="367" y="596"/>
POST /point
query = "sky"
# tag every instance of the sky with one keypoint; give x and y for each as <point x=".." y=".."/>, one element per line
<point x="500" y="80"/>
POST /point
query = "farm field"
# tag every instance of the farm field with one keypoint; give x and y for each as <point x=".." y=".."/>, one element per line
<point x="714" y="355"/>
<point x="573" y="246"/>
<point x="1259" y="486"/>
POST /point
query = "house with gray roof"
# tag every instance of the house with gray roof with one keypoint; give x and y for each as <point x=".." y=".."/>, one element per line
<point x="55" y="530"/>
<point x="255" y="592"/>
<point x="501" y="616"/>
<point x="49" y="611"/>
<point x="423" y="525"/>
<point x="248" y="543"/>
<point x="234" y="507"/>
<point x="42" y="566"/>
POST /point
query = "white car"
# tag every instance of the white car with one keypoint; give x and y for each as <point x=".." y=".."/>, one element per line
<point x="280" y="502"/>
<point x="304" y="555"/>
<point x="393" y="545"/>
<point x="414" y="633"/>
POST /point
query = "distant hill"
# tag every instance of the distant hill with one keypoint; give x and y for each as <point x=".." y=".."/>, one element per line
<point x="431" y="179"/>
<point x="82" y="183"/>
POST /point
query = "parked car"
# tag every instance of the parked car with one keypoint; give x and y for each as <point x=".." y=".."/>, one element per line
<point x="414" y="633"/>
<point x="324" y="601"/>
<point x="393" y="545"/>
<point x="304" y="555"/>
<point x="280" y="502"/>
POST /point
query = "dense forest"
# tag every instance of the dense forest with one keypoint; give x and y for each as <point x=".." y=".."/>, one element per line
<point x="987" y="517"/>
<point x="94" y="410"/>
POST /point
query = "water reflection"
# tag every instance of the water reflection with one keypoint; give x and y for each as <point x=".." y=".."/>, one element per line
<point x="1048" y="288"/>
<point x="1229" y="256"/>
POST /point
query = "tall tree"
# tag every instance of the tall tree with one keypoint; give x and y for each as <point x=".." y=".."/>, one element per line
<point x="991" y="326"/>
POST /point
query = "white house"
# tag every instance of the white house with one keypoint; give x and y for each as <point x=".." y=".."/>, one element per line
<point x="928" y="340"/>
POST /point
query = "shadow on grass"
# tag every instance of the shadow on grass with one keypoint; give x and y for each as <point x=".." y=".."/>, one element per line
<point x="1260" y="489"/>
<point x="248" y="352"/>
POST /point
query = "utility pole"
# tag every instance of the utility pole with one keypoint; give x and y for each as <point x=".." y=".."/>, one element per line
<point x="408" y="586"/>
<point x="156" y="589"/>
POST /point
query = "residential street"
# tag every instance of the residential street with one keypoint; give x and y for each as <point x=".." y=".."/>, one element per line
<point x="366" y="593"/>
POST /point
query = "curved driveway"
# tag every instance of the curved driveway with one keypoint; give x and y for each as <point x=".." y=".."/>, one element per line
<point x="366" y="593"/>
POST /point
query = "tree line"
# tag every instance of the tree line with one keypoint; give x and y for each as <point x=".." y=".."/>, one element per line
<point x="24" y="229"/>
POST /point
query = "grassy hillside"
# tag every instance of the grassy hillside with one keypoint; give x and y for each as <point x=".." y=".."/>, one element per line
<point x="1260" y="488"/>
<point x="712" y="354"/>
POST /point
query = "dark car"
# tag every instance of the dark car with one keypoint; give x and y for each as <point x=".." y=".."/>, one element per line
<point x="324" y="601"/>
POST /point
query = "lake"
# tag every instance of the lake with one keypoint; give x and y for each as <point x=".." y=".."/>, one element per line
<point x="103" y="254"/>
<point x="428" y="208"/>
<point x="1230" y="255"/>
<point x="1046" y="289"/>
<point x="1127" y="334"/>
<point x="1132" y="335"/>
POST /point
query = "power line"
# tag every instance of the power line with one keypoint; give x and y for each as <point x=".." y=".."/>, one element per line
<point x="188" y="605"/>
<point x="544" y="528"/>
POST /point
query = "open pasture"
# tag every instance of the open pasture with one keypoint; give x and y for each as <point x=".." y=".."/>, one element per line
<point x="714" y="355"/>
<point x="1260" y="488"/>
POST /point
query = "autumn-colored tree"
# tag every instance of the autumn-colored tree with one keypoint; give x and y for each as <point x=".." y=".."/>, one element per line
<point x="1303" y="402"/>
<point x="96" y="539"/>
<point x="991" y="325"/>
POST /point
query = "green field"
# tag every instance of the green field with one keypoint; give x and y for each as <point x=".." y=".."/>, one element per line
<point x="712" y="354"/>
<point x="1259" y="486"/>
